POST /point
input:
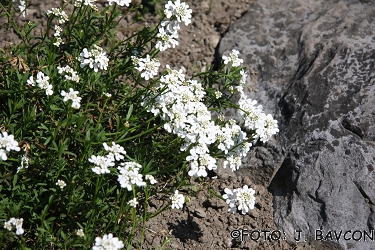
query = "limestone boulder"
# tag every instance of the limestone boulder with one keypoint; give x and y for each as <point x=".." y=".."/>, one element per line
<point x="312" y="66"/>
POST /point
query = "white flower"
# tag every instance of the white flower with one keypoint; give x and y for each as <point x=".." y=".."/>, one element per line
<point x="233" y="57"/>
<point x="231" y="89"/>
<point x="179" y="104"/>
<point x="96" y="58"/>
<point x="246" y="199"/>
<point x="230" y="200"/>
<point x="8" y="225"/>
<point x="167" y="35"/>
<point x="108" y="95"/>
<point x="129" y="175"/>
<point x="243" y="77"/>
<point x="3" y="155"/>
<point x="150" y="178"/>
<point x="242" y="197"/>
<point x="87" y="3"/>
<point x="18" y="224"/>
<point x="42" y="81"/>
<point x="7" y="143"/>
<point x="117" y="150"/>
<point x="23" y="8"/>
<point x="218" y="94"/>
<point x="166" y="41"/>
<point x="30" y="81"/>
<point x="269" y="127"/>
<point x="72" y="95"/>
<point x="200" y="162"/>
<point x="58" y="30"/>
<point x="58" y="42"/>
<point x="15" y="222"/>
<point x="234" y="162"/>
<point x="61" y="183"/>
<point x="102" y="164"/>
<point x="255" y="119"/>
<point x="70" y="73"/>
<point x="120" y="2"/>
<point x="108" y="242"/>
<point x="180" y="10"/>
<point x="178" y="200"/>
<point x="80" y="233"/>
<point x="59" y="13"/>
<point x="133" y="202"/>
<point x="147" y="66"/>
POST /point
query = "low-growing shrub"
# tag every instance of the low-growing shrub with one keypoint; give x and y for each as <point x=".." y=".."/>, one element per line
<point x="92" y="127"/>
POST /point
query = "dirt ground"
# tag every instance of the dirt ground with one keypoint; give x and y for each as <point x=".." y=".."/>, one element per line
<point x="204" y="222"/>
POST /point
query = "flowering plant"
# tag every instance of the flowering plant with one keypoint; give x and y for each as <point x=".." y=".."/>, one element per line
<point x="92" y="127"/>
<point x="242" y="197"/>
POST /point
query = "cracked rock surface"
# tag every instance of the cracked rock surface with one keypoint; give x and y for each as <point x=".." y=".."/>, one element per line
<point x="314" y="64"/>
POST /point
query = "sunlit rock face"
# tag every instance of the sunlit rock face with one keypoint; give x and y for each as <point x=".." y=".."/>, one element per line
<point x="312" y="66"/>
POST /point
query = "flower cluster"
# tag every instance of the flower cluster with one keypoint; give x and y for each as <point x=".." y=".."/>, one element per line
<point x="178" y="200"/>
<point x="59" y="13"/>
<point x="42" y="81"/>
<point x="7" y="143"/>
<point x="102" y="163"/>
<point x="13" y="222"/>
<point x="115" y="151"/>
<point x="129" y="175"/>
<point x="73" y="96"/>
<point x="128" y="171"/>
<point x="243" y="78"/>
<point x="57" y="34"/>
<point x="69" y="73"/>
<point x="148" y="66"/>
<point x="179" y="10"/>
<point x="168" y="31"/>
<point x="23" y="8"/>
<point x="133" y="202"/>
<point x="62" y="19"/>
<point x="61" y="183"/>
<point x="233" y="58"/>
<point x="108" y="242"/>
<point x="90" y="3"/>
<point x="255" y="119"/>
<point x="80" y="232"/>
<point x="24" y="162"/>
<point x="151" y="179"/>
<point x="180" y="105"/>
<point x="242" y="197"/>
<point x="120" y="2"/>
<point x="95" y="58"/>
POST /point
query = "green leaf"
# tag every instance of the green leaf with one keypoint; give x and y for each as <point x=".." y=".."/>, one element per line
<point x="54" y="107"/>
<point x="44" y="127"/>
<point x="129" y="112"/>
<point x="88" y="136"/>
<point x="47" y="141"/>
<point x="15" y="178"/>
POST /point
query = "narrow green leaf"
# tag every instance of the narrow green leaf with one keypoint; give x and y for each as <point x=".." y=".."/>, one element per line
<point x="129" y="112"/>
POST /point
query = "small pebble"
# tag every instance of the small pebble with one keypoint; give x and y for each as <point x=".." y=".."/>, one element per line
<point x="228" y="243"/>
<point x="200" y="213"/>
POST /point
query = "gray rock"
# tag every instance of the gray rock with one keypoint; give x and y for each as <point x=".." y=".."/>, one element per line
<point x="313" y="63"/>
